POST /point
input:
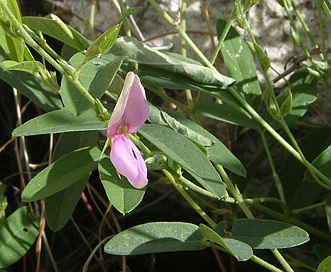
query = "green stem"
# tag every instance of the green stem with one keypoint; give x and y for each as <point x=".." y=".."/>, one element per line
<point x="183" y="34"/>
<point x="292" y="220"/>
<point x="91" y="20"/>
<point x="186" y="196"/>
<point x="241" y="203"/>
<point x="307" y="208"/>
<point x="264" y="264"/>
<point x="124" y="18"/>
<point x="278" y="183"/>
<point x="67" y="70"/>
<point x="234" y="191"/>
<point x="223" y="36"/>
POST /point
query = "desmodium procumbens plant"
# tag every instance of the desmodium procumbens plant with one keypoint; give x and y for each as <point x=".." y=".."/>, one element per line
<point x="165" y="147"/>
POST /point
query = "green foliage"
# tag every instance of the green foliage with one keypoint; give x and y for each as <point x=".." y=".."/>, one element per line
<point x="241" y="251"/>
<point x="55" y="29"/>
<point x="265" y="234"/>
<point x="119" y="191"/>
<point x="191" y="104"/>
<point x="155" y="238"/>
<point x="194" y="162"/>
<point x="240" y="65"/>
<point x="155" y="65"/>
<point x="62" y="173"/>
<point x="60" y="206"/>
<point x="95" y="75"/>
<point x="17" y="234"/>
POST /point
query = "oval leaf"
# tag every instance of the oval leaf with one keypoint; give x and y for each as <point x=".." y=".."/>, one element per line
<point x="60" y="206"/>
<point x="238" y="249"/>
<point x="265" y="234"/>
<point x="187" y="154"/>
<point x="59" y="121"/>
<point x="17" y="234"/>
<point x="156" y="237"/>
<point x="103" y="43"/>
<point x="62" y="173"/>
<point x="167" y="65"/>
<point x="119" y="191"/>
<point x="96" y="76"/>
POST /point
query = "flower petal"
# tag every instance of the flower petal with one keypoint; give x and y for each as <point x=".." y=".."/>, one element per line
<point x="128" y="161"/>
<point x="131" y="109"/>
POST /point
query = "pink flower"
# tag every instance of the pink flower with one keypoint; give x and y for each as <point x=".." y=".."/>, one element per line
<point x="130" y="113"/>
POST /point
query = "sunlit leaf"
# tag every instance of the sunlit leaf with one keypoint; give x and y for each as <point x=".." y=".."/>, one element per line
<point x="155" y="238"/>
<point x="62" y="173"/>
<point x="265" y="234"/>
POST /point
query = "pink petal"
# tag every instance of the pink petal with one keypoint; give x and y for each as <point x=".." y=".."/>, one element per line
<point x="128" y="161"/>
<point x="131" y="108"/>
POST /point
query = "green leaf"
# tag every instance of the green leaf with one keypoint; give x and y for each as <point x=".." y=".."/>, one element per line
<point x="95" y="76"/>
<point x="298" y="192"/>
<point x="323" y="163"/>
<point x="62" y="173"/>
<point x="14" y="47"/>
<point x="226" y="113"/>
<point x="186" y="154"/>
<point x="59" y="31"/>
<point x="304" y="92"/>
<point x="155" y="238"/>
<point x="31" y="67"/>
<point x="171" y="66"/>
<point x="217" y="153"/>
<point x="327" y="8"/>
<point x="286" y="107"/>
<point x="240" y="64"/>
<point x="325" y="265"/>
<point x="238" y="249"/>
<point x="119" y="191"/>
<point x="103" y="43"/>
<point x="60" y="206"/>
<point x="160" y="117"/>
<point x="17" y="235"/>
<point x="265" y="234"/>
<point x="31" y="87"/>
<point x="59" y="121"/>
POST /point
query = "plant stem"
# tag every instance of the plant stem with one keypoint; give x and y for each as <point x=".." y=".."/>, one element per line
<point x="241" y="203"/>
<point x="183" y="34"/>
<point x="278" y="183"/>
<point x="65" y="69"/>
<point x="186" y="196"/>
<point x="264" y="264"/>
<point x="223" y="35"/>
<point x="279" y="138"/>
<point x="292" y="220"/>
<point x="124" y="18"/>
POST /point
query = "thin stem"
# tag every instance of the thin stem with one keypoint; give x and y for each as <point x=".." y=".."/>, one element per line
<point x="241" y="203"/>
<point x="183" y="34"/>
<point x="279" y="138"/>
<point x="264" y="264"/>
<point x="186" y="196"/>
<point x="292" y="220"/>
<point x="223" y="36"/>
<point x="234" y="191"/>
<point x="124" y="18"/>
<point x="91" y="20"/>
<point x="278" y="183"/>
<point x="65" y="69"/>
